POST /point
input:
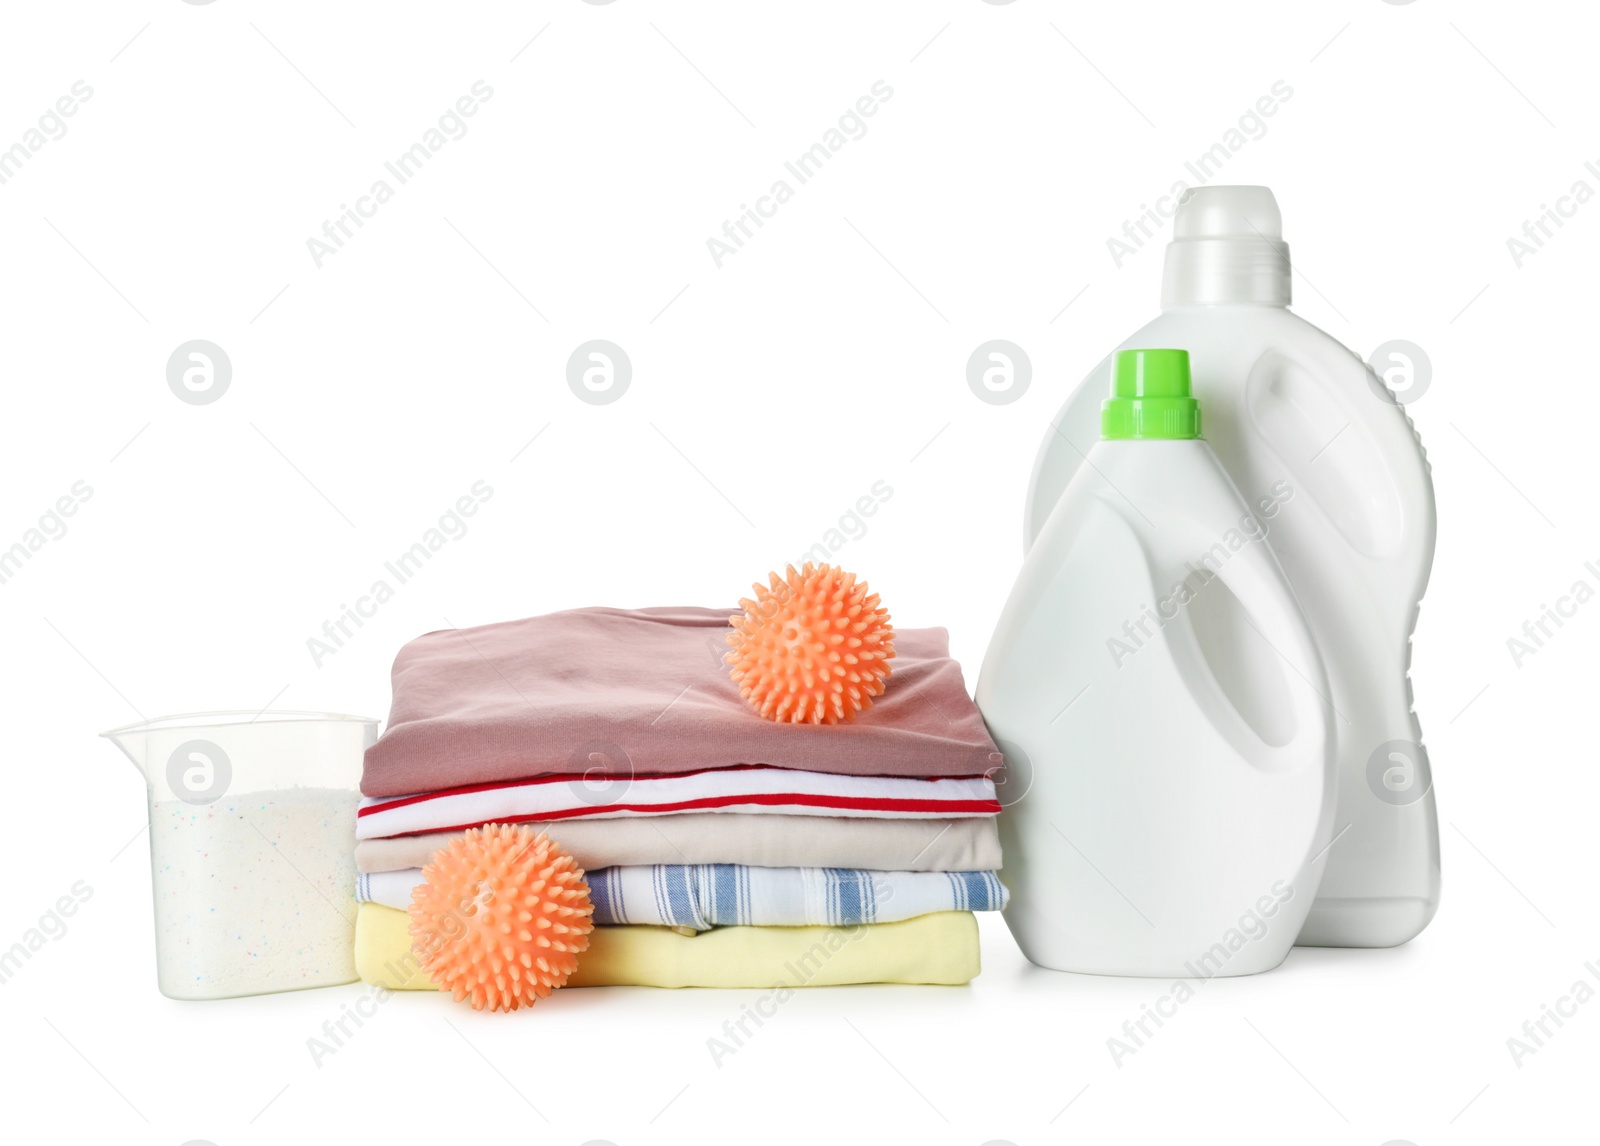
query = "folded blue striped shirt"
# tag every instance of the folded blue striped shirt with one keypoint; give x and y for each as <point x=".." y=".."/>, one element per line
<point x="701" y="896"/>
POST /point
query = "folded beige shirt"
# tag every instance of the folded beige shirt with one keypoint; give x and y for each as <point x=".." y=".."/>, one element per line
<point x="757" y="841"/>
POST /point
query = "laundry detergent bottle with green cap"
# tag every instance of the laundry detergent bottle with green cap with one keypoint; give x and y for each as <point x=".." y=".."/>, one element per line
<point x="1161" y="708"/>
<point x="1297" y="419"/>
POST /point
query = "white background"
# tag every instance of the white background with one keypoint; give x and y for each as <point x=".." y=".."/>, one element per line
<point x="767" y="396"/>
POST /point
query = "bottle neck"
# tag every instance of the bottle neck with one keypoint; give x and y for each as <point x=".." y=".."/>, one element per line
<point x="1226" y="271"/>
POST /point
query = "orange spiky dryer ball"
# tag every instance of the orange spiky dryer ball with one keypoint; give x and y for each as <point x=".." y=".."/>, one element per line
<point x="812" y="648"/>
<point x="501" y="917"/>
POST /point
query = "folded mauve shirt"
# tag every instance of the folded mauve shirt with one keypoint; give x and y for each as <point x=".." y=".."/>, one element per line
<point x="608" y="692"/>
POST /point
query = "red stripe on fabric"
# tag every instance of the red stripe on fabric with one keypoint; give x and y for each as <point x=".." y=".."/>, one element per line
<point x="577" y="777"/>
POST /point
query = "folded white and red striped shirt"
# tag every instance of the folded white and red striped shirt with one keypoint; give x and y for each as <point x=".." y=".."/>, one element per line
<point x="741" y="788"/>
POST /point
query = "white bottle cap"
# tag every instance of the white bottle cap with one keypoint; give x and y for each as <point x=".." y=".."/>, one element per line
<point x="1227" y="247"/>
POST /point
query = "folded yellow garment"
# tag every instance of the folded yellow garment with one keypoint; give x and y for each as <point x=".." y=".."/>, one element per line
<point x="941" y="948"/>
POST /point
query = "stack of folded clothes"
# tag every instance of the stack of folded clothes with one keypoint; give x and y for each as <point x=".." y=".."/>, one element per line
<point x="721" y="849"/>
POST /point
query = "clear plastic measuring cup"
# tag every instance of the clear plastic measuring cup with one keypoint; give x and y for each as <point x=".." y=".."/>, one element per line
<point x="252" y="847"/>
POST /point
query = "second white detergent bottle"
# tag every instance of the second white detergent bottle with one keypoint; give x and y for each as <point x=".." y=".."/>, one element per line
<point x="1296" y="418"/>
<point x="1169" y="782"/>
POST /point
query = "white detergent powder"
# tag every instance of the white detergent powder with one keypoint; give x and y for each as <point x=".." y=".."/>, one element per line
<point x="255" y="892"/>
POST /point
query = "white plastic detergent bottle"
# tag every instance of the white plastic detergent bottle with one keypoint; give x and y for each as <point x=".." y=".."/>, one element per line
<point x="1169" y="779"/>
<point x="1289" y="409"/>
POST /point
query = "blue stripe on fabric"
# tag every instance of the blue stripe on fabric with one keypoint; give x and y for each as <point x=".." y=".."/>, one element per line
<point x="977" y="890"/>
<point x="600" y="894"/>
<point x="850" y="901"/>
<point x="724" y="907"/>
<point x="657" y="876"/>
<point x="996" y="889"/>
<point x="956" y="890"/>
<point x="668" y="898"/>
<point x="682" y="908"/>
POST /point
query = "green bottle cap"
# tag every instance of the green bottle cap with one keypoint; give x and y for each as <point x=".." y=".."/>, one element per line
<point x="1150" y="397"/>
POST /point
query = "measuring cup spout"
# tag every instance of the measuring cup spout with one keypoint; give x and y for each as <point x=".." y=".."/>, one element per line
<point x="132" y="739"/>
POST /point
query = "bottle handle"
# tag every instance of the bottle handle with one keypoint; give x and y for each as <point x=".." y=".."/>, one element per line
<point x="1346" y="442"/>
<point x="1256" y="581"/>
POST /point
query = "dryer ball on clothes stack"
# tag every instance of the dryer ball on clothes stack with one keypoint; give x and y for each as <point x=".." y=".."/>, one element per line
<point x="812" y="648"/>
<point x="501" y="918"/>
